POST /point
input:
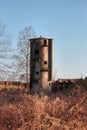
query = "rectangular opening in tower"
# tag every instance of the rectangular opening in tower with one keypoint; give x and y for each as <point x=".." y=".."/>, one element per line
<point x="37" y="72"/>
<point x="45" y="62"/>
<point x="36" y="51"/>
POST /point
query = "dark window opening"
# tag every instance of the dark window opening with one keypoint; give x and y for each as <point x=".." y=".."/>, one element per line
<point x="45" y="62"/>
<point x="45" y="42"/>
<point x="37" y="72"/>
<point x="36" y="51"/>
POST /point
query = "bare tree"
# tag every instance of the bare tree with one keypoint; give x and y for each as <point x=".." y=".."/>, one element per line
<point x="22" y="55"/>
<point x="4" y="51"/>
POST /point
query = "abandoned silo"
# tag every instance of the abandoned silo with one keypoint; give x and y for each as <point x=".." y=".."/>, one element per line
<point x="41" y="62"/>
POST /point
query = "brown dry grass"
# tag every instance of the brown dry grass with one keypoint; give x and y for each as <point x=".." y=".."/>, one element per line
<point x="22" y="111"/>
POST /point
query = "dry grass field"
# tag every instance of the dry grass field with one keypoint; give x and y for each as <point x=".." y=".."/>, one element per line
<point x="22" y="111"/>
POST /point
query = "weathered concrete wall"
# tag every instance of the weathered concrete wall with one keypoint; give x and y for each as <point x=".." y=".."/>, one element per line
<point x="41" y="62"/>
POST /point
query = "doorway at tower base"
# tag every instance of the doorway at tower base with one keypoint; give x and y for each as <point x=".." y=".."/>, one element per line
<point x="37" y="88"/>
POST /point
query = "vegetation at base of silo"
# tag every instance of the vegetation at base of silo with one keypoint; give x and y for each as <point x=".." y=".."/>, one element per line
<point x="22" y="111"/>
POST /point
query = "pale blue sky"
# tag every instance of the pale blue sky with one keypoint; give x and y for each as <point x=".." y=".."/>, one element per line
<point x="63" y="20"/>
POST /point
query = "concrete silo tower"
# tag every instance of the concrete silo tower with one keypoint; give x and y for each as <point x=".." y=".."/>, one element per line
<point x="41" y="62"/>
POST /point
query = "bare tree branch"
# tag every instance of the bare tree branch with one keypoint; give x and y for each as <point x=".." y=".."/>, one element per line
<point x="22" y="56"/>
<point x="4" y="50"/>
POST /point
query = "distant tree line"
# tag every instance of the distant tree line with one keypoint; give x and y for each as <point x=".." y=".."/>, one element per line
<point x="83" y="82"/>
